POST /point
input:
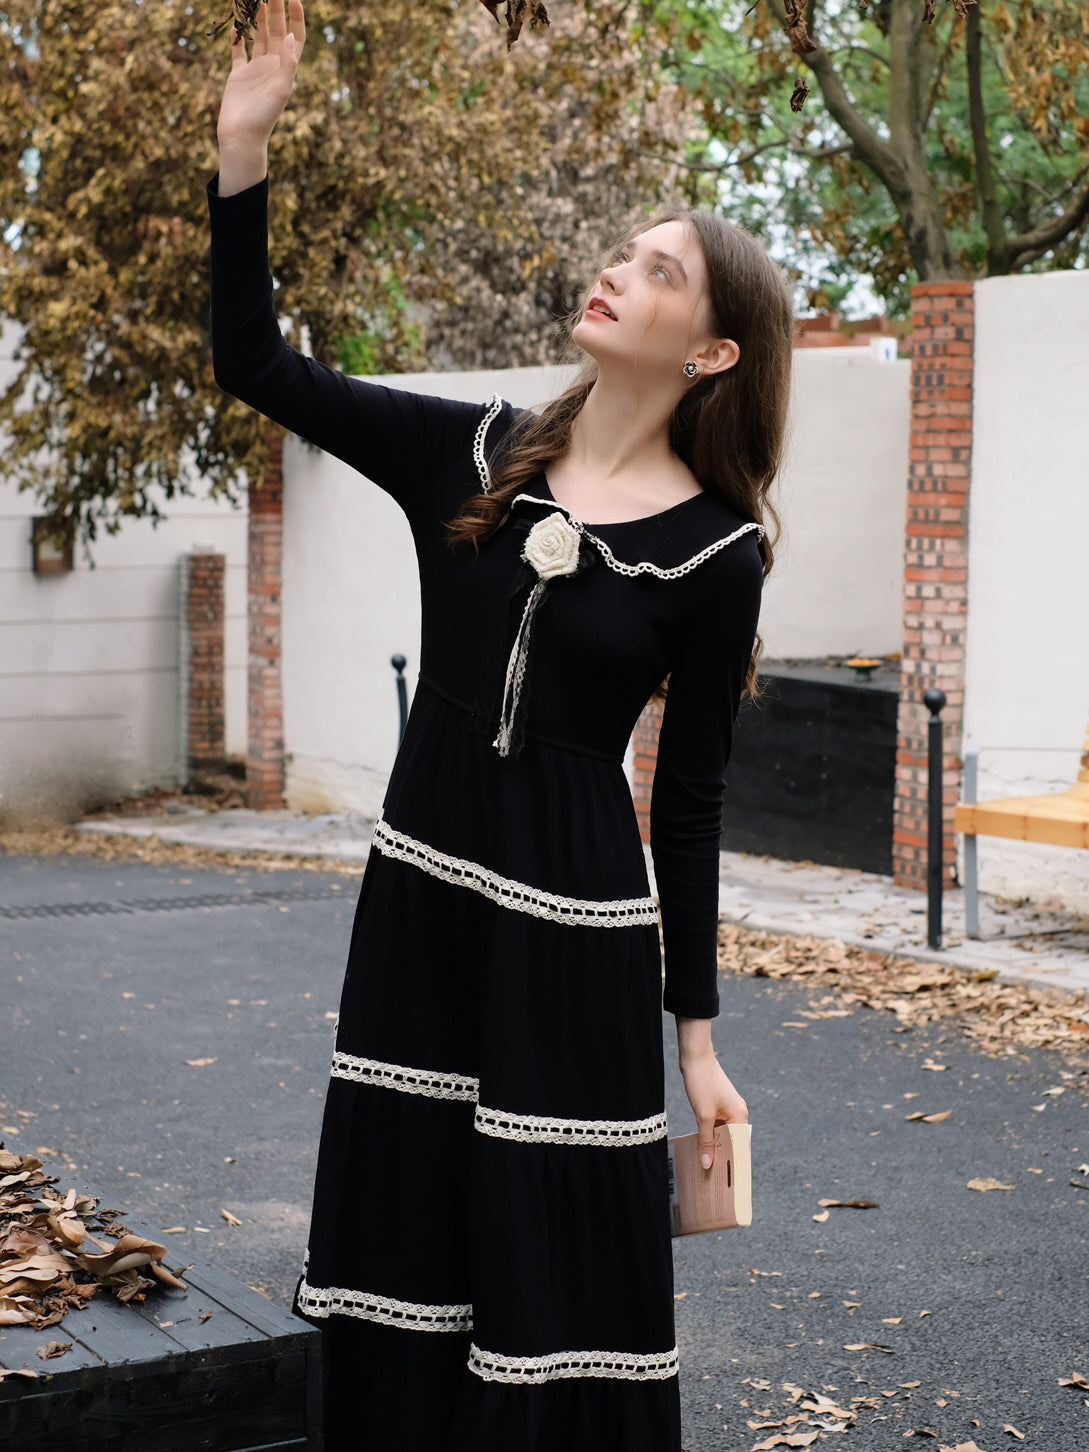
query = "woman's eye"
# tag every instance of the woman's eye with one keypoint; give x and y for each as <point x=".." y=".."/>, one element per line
<point x="658" y="267"/>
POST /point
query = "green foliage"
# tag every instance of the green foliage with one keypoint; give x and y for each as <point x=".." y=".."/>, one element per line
<point x="797" y="179"/>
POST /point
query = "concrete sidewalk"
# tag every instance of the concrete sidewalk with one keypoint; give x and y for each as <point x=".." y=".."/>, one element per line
<point x="1022" y="942"/>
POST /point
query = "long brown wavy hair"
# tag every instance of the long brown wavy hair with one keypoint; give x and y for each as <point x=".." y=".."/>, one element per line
<point x="728" y="427"/>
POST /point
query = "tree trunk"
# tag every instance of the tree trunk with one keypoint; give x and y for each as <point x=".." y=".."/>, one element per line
<point x="917" y="201"/>
<point x="899" y="163"/>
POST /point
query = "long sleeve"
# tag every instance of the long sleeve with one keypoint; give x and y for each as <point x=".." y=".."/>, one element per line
<point x="395" y="438"/>
<point x="702" y="701"/>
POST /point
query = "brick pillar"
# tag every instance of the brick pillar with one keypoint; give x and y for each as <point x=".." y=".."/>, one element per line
<point x="645" y="749"/>
<point x="935" y="563"/>
<point x="265" y="751"/>
<point x="204" y="611"/>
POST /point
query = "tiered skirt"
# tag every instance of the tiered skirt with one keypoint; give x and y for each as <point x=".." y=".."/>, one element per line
<point x="490" y="1257"/>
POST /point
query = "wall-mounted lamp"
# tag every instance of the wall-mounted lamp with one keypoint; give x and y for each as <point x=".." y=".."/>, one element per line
<point x="50" y="558"/>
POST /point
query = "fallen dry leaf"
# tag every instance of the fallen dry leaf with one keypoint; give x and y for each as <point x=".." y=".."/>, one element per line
<point x="230" y="1219"/>
<point x="961" y="1447"/>
<point x="1076" y="1380"/>
<point x="921" y="1116"/>
<point x="922" y="1432"/>
<point x="937" y="1068"/>
<point x="205" y="1315"/>
<point x="986" y="1183"/>
<point x="850" y="1204"/>
<point x="1014" y="1432"/>
<point x="128" y="1253"/>
<point x="995" y="1016"/>
<point x="891" y="1320"/>
<point x="58" y="1249"/>
<point x="199" y="1063"/>
<point x="173" y="1230"/>
<point x="869" y="1346"/>
<point x="787" y="1439"/>
<point x="53" y="1349"/>
<point x="822" y="1217"/>
<point x="7" y="1371"/>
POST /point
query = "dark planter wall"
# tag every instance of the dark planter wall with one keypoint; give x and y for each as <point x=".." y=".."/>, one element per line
<point x="812" y="773"/>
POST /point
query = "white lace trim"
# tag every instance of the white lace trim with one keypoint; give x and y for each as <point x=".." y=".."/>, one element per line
<point x="338" y="1301"/>
<point x="644" y="567"/>
<point x="409" y="1081"/>
<point x="621" y="913"/>
<point x="544" y="1129"/>
<point x="628" y="1366"/>
<point x="478" y="442"/>
<point x="516" y="672"/>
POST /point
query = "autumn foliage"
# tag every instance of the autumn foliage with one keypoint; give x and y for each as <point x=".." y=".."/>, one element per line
<point x="420" y="177"/>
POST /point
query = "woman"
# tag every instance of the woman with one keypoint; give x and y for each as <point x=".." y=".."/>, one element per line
<point x="490" y="1257"/>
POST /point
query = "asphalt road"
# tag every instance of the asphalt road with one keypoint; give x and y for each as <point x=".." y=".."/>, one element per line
<point x="980" y="1298"/>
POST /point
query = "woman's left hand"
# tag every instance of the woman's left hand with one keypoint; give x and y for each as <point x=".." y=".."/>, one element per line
<point x="713" y="1098"/>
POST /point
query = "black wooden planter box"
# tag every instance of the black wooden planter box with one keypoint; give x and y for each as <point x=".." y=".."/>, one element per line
<point x="244" y="1379"/>
<point x="813" y="768"/>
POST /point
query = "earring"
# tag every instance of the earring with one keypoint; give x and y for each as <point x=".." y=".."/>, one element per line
<point x="690" y="370"/>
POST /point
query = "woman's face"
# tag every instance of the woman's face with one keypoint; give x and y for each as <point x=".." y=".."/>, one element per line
<point x="656" y="290"/>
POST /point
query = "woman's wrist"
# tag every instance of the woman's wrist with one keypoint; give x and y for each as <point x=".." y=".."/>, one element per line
<point x="242" y="164"/>
<point x="694" y="1040"/>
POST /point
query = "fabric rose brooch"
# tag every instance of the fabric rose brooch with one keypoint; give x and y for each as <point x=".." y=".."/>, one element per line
<point x="552" y="548"/>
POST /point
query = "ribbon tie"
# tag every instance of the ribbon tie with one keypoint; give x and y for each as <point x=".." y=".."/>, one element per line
<point x="552" y="548"/>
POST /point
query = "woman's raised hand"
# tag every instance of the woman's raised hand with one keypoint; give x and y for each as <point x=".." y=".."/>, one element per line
<point x="257" y="91"/>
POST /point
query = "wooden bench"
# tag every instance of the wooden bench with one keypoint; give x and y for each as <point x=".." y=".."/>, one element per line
<point x="1058" y="818"/>
<point x="216" y="1368"/>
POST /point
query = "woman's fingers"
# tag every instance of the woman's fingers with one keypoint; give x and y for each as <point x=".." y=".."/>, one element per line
<point x="274" y="33"/>
<point x="261" y="31"/>
<point x="298" y="23"/>
<point x="706" y="1145"/>
<point x="238" y="49"/>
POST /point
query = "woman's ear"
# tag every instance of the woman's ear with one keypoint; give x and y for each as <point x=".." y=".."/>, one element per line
<point x="718" y="356"/>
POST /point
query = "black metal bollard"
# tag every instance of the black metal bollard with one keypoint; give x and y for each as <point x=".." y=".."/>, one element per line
<point x="398" y="663"/>
<point x="934" y="700"/>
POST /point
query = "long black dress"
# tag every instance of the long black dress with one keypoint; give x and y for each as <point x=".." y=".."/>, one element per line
<point x="489" y="1255"/>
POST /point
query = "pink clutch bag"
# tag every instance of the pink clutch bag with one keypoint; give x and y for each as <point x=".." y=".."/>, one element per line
<point x="715" y="1199"/>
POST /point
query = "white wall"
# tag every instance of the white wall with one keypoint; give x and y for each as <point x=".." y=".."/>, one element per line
<point x="836" y="586"/>
<point x="1027" y="640"/>
<point x="350" y="602"/>
<point x="350" y="588"/>
<point x="89" y="660"/>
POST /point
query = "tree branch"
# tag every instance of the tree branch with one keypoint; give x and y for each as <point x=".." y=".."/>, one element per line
<point x="1020" y="251"/>
<point x="861" y="50"/>
<point x="718" y="166"/>
<point x="985" y="179"/>
<point x="796" y="148"/>
<point x="868" y="146"/>
<point x="811" y="153"/>
<point x="936" y="80"/>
